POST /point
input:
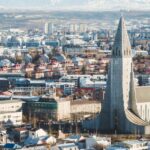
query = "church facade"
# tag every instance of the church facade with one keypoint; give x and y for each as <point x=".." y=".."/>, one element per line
<point x="126" y="108"/>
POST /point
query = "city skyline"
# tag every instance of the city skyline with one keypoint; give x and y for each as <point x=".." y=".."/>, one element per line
<point x="74" y="77"/>
<point x="85" y="5"/>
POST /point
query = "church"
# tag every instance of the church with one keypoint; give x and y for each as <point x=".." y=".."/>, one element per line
<point x="126" y="108"/>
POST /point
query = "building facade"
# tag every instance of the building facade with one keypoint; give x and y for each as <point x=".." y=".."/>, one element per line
<point x="49" y="28"/>
<point x="11" y="112"/>
<point x="120" y="110"/>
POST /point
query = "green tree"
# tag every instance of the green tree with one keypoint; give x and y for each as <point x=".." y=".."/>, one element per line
<point x="83" y="70"/>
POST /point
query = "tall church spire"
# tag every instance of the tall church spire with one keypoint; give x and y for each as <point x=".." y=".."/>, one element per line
<point x="119" y="111"/>
<point x="122" y="47"/>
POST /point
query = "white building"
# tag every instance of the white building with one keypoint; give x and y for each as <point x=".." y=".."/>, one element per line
<point x="49" y="28"/>
<point x="66" y="146"/>
<point x="39" y="137"/>
<point x="77" y="78"/>
<point x="83" y="27"/>
<point x="88" y="83"/>
<point x="63" y="111"/>
<point x="3" y="137"/>
<point x="85" y="107"/>
<point x="94" y="140"/>
<point x="73" y="28"/>
<point x="130" y="145"/>
<point x="11" y="112"/>
<point x="67" y="87"/>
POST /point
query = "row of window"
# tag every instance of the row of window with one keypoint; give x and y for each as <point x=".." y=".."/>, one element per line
<point x="117" y="52"/>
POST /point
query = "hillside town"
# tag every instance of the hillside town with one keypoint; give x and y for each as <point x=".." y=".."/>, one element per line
<point x="53" y="81"/>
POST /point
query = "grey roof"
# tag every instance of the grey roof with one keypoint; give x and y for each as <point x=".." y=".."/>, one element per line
<point x="143" y="94"/>
<point x="67" y="145"/>
<point x="5" y="62"/>
<point x="122" y="46"/>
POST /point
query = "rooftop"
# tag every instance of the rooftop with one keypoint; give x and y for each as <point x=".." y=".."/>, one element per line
<point x="132" y="142"/>
<point x="67" y="145"/>
<point x="10" y="101"/>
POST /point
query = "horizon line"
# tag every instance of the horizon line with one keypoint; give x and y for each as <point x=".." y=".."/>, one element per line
<point x="71" y="10"/>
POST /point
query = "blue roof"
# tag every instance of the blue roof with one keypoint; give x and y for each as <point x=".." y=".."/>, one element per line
<point x="12" y="146"/>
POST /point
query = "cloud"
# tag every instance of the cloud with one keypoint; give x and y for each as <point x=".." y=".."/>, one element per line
<point x="119" y="4"/>
<point x="54" y="2"/>
<point x="102" y="4"/>
<point x="97" y="5"/>
<point x="2" y="7"/>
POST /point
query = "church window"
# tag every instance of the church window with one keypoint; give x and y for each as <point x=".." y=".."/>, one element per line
<point x="119" y="53"/>
<point x="141" y="111"/>
<point x="129" y="52"/>
<point x="116" y="51"/>
<point x="125" y="52"/>
<point x="113" y="52"/>
<point x="148" y="114"/>
<point x="143" y="114"/>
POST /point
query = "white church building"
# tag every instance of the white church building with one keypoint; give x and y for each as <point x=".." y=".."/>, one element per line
<point x="126" y="108"/>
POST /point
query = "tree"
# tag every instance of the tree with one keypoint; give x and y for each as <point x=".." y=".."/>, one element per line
<point x="53" y="51"/>
<point x="36" y="59"/>
<point x="19" y="59"/>
<point x="50" y="56"/>
<point x="83" y="70"/>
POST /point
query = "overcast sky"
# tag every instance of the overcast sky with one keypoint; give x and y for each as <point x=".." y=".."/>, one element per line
<point x="77" y="4"/>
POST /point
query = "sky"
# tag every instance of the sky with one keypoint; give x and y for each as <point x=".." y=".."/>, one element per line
<point x="93" y="5"/>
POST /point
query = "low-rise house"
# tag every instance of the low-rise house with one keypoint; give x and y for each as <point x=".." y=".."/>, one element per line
<point x="44" y="58"/>
<point x="20" y="134"/>
<point x="91" y="142"/>
<point x="16" y="68"/>
<point x="39" y="137"/>
<point x="66" y="87"/>
<point x="39" y="74"/>
<point x="3" y="137"/>
<point x="66" y="146"/>
<point x="29" y="68"/>
<point x="36" y="147"/>
<point x="74" y="138"/>
<point x="78" y="61"/>
<point x="61" y="58"/>
<point x="130" y="145"/>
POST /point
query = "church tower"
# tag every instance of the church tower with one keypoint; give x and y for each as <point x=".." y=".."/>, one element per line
<point x="119" y="111"/>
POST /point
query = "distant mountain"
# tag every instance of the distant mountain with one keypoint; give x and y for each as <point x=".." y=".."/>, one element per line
<point x="41" y="3"/>
<point x="77" y="4"/>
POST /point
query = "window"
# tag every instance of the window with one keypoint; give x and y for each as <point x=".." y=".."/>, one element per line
<point x="113" y="52"/>
<point x="119" y="53"/>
